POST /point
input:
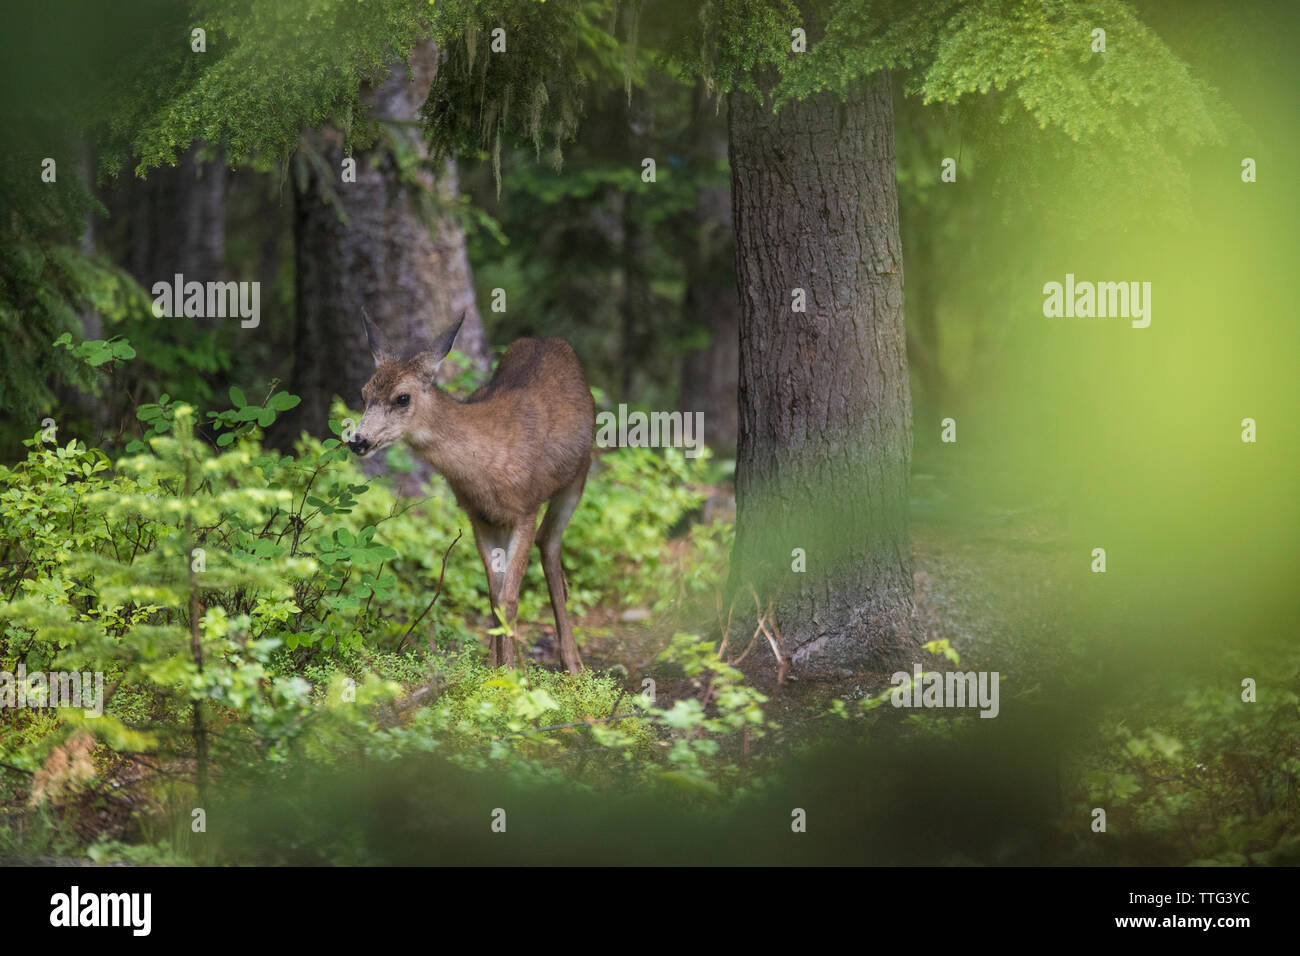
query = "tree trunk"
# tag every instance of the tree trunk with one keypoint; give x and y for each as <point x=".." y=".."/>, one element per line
<point x="825" y="437"/>
<point x="635" y="306"/>
<point x="174" y="220"/>
<point x="638" y="239"/>
<point x="374" y="244"/>
<point x="710" y="374"/>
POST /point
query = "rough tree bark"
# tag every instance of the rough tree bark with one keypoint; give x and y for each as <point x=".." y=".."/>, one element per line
<point x="383" y="255"/>
<point x="825" y="414"/>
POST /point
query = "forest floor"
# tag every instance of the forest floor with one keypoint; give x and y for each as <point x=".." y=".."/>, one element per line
<point x="992" y="585"/>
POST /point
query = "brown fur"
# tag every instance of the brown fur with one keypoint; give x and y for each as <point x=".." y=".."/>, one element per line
<point x="521" y="441"/>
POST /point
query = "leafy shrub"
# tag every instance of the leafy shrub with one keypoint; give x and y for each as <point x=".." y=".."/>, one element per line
<point x="247" y="607"/>
<point x="1210" y="779"/>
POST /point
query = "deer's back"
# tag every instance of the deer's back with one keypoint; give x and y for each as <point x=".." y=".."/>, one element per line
<point x="538" y="408"/>
<point x="549" y="366"/>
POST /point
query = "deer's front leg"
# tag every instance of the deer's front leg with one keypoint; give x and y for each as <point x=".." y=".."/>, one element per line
<point x="517" y="554"/>
<point x="492" y="542"/>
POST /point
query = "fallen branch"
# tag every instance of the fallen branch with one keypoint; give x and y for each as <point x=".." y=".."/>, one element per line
<point x="778" y="645"/>
<point x="767" y="627"/>
<point x="443" y="573"/>
<point x="417" y="695"/>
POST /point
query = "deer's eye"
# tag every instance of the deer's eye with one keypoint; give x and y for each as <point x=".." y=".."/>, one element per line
<point x="402" y="400"/>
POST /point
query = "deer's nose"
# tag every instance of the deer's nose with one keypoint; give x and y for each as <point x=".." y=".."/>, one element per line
<point x="359" y="446"/>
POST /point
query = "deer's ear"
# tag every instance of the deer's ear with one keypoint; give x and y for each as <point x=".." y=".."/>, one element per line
<point x="427" y="362"/>
<point x="441" y="346"/>
<point x="374" y="341"/>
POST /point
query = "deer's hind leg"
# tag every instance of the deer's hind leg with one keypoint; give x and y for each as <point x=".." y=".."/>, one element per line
<point x="549" y="538"/>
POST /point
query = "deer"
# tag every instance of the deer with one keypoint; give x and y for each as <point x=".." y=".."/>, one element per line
<point x="521" y="441"/>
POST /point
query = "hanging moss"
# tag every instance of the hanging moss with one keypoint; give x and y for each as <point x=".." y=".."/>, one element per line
<point x="554" y="50"/>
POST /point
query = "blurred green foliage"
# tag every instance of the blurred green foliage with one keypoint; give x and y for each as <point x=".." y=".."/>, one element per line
<point x="1210" y="779"/>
